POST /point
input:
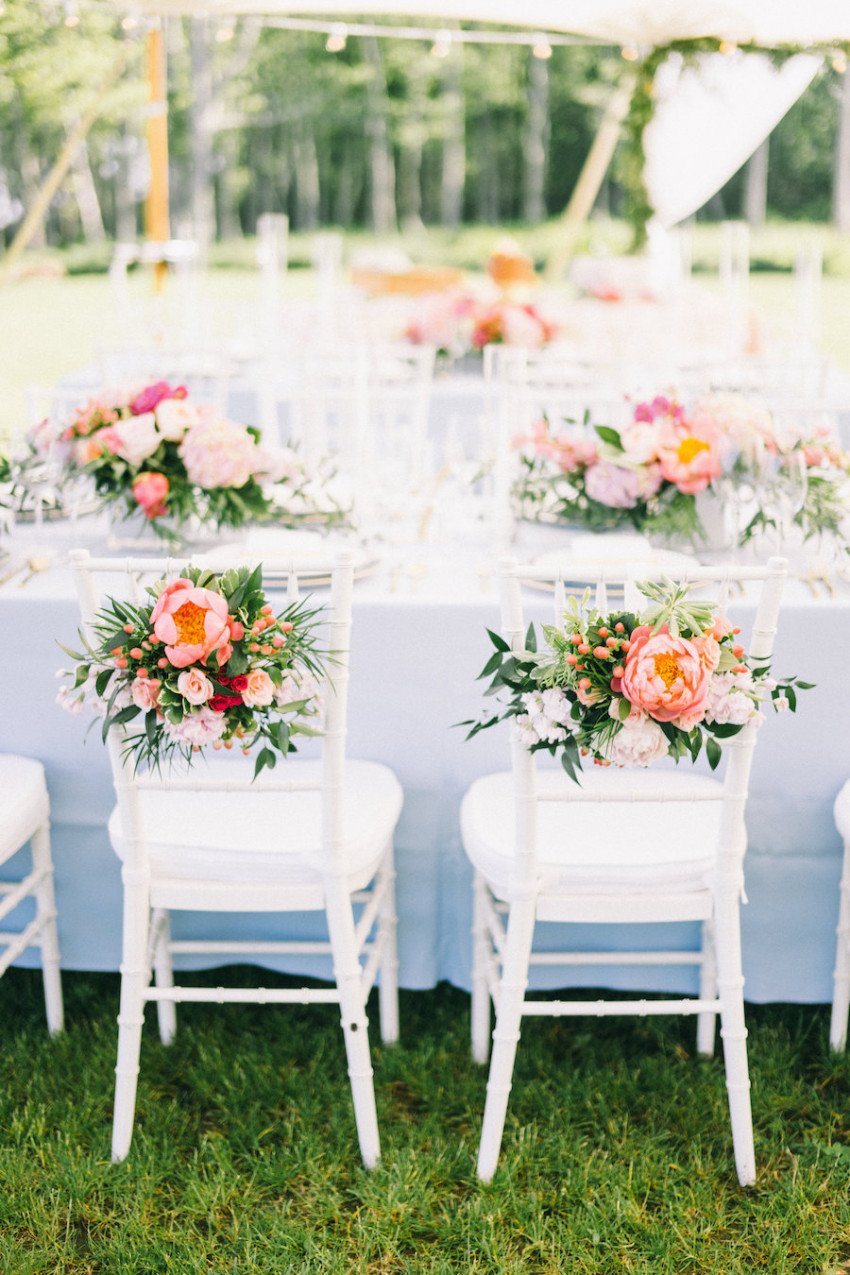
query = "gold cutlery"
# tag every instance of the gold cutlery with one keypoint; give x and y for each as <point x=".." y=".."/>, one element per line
<point x="34" y="567"/>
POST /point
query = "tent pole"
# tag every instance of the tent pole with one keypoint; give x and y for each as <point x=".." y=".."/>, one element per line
<point x="156" y="203"/>
<point x="590" y="179"/>
<point x="58" y="172"/>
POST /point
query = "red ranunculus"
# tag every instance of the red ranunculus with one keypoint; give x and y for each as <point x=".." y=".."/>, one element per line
<point x="221" y="703"/>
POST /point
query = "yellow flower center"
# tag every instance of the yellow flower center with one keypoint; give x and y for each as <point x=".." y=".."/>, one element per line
<point x="691" y="447"/>
<point x="190" y="624"/>
<point x="667" y="668"/>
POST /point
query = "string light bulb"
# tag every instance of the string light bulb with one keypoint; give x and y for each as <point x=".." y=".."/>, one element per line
<point x="130" y="22"/>
<point x="72" y="14"/>
<point x="337" y="38"/>
<point x="727" y="47"/>
<point x="225" y="33"/>
<point x="629" y="53"/>
<point x="442" y="46"/>
<point x="839" y="62"/>
<point x="541" y="48"/>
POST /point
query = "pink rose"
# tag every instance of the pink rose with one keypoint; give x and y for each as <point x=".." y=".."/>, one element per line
<point x="150" y="491"/>
<point x="152" y="395"/>
<point x="721" y="627"/>
<point x="194" y="686"/>
<point x="145" y="693"/>
<point x="259" y="692"/>
<point x="665" y="676"/>
<point x="193" y="623"/>
<point x="138" y="438"/>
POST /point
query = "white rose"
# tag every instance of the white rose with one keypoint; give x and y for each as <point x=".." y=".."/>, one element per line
<point x="139" y="437"/>
<point x="194" y="686"/>
<point x="640" y="442"/>
<point x="174" y="416"/>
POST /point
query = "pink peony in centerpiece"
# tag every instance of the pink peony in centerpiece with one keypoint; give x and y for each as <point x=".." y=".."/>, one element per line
<point x="193" y="623"/>
<point x="665" y="676"/>
<point x="690" y="455"/>
<point x="152" y="395"/>
<point x="219" y="453"/>
<point x="150" y="492"/>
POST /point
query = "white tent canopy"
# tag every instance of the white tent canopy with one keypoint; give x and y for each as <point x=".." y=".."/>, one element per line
<point x="627" y="22"/>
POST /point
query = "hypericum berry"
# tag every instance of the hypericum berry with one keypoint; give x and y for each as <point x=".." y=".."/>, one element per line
<point x="618" y="671"/>
<point x="612" y="642"/>
<point x="571" y="659"/>
<point x="584" y="649"/>
<point x="602" y="653"/>
<point x="128" y="628"/>
<point x="137" y="653"/>
<point x="619" y="627"/>
<point x="584" y="684"/>
<point x="603" y="633"/>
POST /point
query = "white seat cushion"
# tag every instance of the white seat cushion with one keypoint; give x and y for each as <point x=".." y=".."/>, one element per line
<point x="594" y="848"/>
<point x="842" y="811"/>
<point x="275" y="837"/>
<point x="23" y="802"/>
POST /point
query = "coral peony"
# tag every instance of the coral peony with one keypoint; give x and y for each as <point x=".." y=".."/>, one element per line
<point x="193" y="623"/>
<point x="688" y="458"/>
<point x="665" y="676"/>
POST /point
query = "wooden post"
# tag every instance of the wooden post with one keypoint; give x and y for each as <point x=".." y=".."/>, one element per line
<point x="59" y="171"/>
<point x="590" y="178"/>
<point x="156" y="204"/>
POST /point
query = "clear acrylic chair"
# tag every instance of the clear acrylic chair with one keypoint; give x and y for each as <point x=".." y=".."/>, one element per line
<point x="26" y="818"/>
<point x="625" y="846"/>
<point x="310" y="836"/>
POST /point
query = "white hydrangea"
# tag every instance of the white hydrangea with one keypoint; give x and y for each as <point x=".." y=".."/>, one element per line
<point x="297" y="686"/>
<point x="546" y="717"/>
<point x="731" y="699"/>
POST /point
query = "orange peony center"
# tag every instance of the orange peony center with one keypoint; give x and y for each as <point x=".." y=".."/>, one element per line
<point x="189" y="619"/>
<point x="691" y="447"/>
<point x="667" y="668"/>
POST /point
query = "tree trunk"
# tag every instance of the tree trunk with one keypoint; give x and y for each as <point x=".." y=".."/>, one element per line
<point x="488" y="172"/>
<point x="201" y="198"/>
<point x="536" y="140"/>
<point x="229" y="226"/>
<point x="755" y="194"/>
<point x="307" y="193"/>
<point x="454" y="145"/>
<point x="413" y="137"/>
<point x="85" y="193"/>
<point x="841" y="169"/>
<point x="381" y="167"/>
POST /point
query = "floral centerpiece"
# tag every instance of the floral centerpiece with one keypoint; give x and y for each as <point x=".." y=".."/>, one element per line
<point x="463" y="323"/>
<point x="626" y="689"/>
<point x="649" y="473"/>
<point x="206" y="662"/>
<point x="163" y="461"/>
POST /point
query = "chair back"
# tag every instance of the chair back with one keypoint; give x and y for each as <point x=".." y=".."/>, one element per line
<point x="739" y="748"/>
<point x="96" y="578"/>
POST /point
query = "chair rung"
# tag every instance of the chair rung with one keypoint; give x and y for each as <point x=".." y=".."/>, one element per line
<point x="246" y="995"/>
<point x="14" y="892"/>
<point x="606" y="1009"/>
<point x="18" y="943"/>
<point x="270" y="947"/>
<point x="627" y="796"/>
<point x="615" y="958"/>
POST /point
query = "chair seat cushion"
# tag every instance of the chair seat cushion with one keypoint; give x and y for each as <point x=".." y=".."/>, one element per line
<point x="24" y="805"/>
<point x="262" y="836"/>
<point x="591" y="848"/>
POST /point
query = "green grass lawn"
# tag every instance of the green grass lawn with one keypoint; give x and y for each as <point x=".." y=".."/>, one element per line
<point x="617" y="1153"/>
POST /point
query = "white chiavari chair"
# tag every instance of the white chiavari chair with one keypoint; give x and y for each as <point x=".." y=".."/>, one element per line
<point x="26" y="818"/>
<point x="624" y="847"/>
<point x="841" y="974"/>
<point x="310" y="836"/>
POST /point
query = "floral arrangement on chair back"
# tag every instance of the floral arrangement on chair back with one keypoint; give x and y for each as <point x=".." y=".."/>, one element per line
<point x="649" y="472"/>
<point x="165" y="461"/>
<point x="205" y="662"/>
<point x="627" y="689"/>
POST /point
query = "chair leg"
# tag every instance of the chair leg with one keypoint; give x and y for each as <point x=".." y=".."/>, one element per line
<point x="355" y="1024"/>
<point x="706" y="1023"/>
<point x="48" y="937"/>
<point x="166" y="1011"/>
<point x="733" y="1032"/>
<point x="387" y="925"/>
<point x="841" y="981"/>
<point x="480" y="991"/>
<point x="512" y="987"/>
<point x="135" y="976"/>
